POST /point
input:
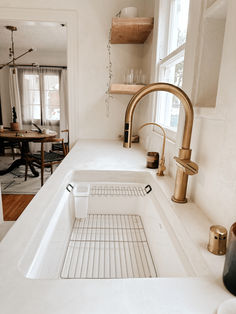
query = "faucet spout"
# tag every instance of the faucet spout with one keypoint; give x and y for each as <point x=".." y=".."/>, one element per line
<point x="185" y="152"/>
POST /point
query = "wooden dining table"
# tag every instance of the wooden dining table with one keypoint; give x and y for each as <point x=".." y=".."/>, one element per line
<point x="24" y="138"/>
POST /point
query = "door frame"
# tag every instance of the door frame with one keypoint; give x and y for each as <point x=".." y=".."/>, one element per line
<point x="70" y="18"/>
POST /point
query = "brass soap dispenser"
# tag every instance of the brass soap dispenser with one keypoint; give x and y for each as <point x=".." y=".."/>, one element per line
<point x="217" y="240"/>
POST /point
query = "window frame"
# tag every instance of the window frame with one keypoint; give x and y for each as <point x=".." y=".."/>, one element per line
<point x="38" y="121"/>
<point x="41" y="77"/>
<point x="164" y="58"/>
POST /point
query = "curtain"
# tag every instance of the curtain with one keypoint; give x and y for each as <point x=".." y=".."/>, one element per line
<point x="44" y="97"/>
<point x="15" y="94"/>
<point x="63" y="105"/>
<point x="30" y="95"/>
<point x="50" y="97"/>
<point x="29" y="84"/>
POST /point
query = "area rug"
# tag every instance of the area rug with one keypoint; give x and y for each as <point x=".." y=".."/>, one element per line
<point x="14" y="182"/>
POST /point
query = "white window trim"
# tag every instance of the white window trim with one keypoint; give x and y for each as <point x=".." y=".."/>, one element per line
<point x="175" y="55"/>
<point x="160" y="61"/>
<point x="172" y="56"/>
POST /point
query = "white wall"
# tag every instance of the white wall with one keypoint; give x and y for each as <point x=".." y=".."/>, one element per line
<point x="43" y="57"/>
<point x="93" y="75"/>
<point x="214" y="137"/>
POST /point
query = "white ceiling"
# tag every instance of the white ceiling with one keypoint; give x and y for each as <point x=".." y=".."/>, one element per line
<point x="46" y="36"/>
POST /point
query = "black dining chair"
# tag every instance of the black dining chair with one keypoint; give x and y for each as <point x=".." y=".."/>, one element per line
<point x="58" y="146"/>
<point x="4" y="145"/>
<point x="46" y="159"/>
<point x="12" y="145"/>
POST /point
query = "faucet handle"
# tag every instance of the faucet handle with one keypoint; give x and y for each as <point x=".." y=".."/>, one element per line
<point x="188" y="166"/>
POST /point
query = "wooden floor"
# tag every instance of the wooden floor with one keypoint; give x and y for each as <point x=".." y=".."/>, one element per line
<point x="14" y="205"/>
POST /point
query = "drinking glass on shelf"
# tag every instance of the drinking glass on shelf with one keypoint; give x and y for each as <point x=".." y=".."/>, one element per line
<point x="143" y="79"/>
<point x="140" y="74"/>
<point x="139" y="77"/>
<point x="129" y="76"/>
<point x="136" y="76"/>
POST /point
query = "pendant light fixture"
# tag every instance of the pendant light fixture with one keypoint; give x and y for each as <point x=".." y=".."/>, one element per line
<point x="13" y="29"/>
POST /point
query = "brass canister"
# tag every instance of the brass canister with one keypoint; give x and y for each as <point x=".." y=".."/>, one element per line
<point x="217" y="240"/>
<point x="152" y="160"/>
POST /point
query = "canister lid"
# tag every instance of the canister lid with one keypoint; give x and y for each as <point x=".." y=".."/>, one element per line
<point x="218" y="229"/>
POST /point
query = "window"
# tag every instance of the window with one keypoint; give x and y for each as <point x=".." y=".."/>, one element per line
<point x="40" y="98"/>
<point x="171" y="64"/>
<point x="178" y="23"/>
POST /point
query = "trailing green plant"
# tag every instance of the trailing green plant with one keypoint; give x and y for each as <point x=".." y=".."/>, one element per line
<point x="14" y="115"/>
<point x="108" y="96"/>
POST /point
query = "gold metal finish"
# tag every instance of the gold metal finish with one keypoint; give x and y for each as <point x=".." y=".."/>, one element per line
<point x="217" y="240"/>
<point x="152" y="160"/>
<point x="161" y="167"/>
<point x="13" y="29"/>
<point x="185" y="166"/>
<point x="189" y="167"/>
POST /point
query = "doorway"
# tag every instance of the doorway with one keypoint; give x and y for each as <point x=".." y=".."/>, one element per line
<point x="70" y="19"/>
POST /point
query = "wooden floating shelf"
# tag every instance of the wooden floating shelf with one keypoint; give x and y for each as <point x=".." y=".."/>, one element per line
<point x="125" y="89"/>
<point x="131" y="30"/>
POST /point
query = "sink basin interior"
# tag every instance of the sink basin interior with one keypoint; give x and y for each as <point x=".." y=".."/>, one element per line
<point x="108" y="246"/>
<point x="125" y="235"/>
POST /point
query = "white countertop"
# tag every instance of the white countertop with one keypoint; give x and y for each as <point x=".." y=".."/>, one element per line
<point x="19" y="295"/>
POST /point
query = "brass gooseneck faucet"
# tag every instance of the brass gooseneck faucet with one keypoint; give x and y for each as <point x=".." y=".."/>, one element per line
<point x="185" y="166"/>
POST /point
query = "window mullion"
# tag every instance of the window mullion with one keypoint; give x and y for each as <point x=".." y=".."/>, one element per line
<point x="173" y="55"/>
